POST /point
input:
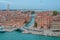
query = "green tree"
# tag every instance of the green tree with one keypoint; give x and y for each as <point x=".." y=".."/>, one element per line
<point x="25" y="22"/>
<point x="35" y="24"/>
<point x="55" y="13"/>
<point x="32" y="12"/>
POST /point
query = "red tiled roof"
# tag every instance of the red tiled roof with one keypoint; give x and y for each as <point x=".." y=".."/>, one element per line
<point x="56" y="18"/>
<point x="44" y="13"/>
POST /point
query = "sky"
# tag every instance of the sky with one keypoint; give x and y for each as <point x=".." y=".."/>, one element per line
<point x="31" y="4"/>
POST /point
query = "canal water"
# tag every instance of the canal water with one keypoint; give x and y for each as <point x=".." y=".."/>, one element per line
<point x="20" y="36"/>
<point x="31" y="22"/>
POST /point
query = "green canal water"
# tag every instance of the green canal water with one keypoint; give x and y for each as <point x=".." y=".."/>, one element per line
<point x="19" y="36"/>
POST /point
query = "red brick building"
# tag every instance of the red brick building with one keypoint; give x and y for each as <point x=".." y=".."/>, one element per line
<point x="43" y="19"/>
<point x="14" y="18"/>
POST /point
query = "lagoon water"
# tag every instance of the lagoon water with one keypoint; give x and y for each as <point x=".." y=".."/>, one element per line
<point x="20" y="36"/>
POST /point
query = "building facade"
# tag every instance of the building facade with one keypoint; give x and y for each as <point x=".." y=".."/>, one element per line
<point x="43" y="19"/>
<point x="55" y="24"/>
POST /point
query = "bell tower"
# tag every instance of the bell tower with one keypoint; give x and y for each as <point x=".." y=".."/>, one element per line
<point x="8" y="7"/>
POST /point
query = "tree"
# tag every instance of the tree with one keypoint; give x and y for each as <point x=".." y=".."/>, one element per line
<point x="25" y="22"/>
<point x="35" y="24"/>
<point x="32" y="12"/>
<point x="55" y="13"/>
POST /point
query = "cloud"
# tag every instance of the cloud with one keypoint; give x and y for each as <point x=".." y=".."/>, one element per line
<point x="6" y="2"/>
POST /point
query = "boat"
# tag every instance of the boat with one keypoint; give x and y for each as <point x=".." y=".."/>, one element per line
<point x="2" y="30"/>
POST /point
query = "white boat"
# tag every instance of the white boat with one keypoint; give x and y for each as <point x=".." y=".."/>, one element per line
<point x="2" y="29"/>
